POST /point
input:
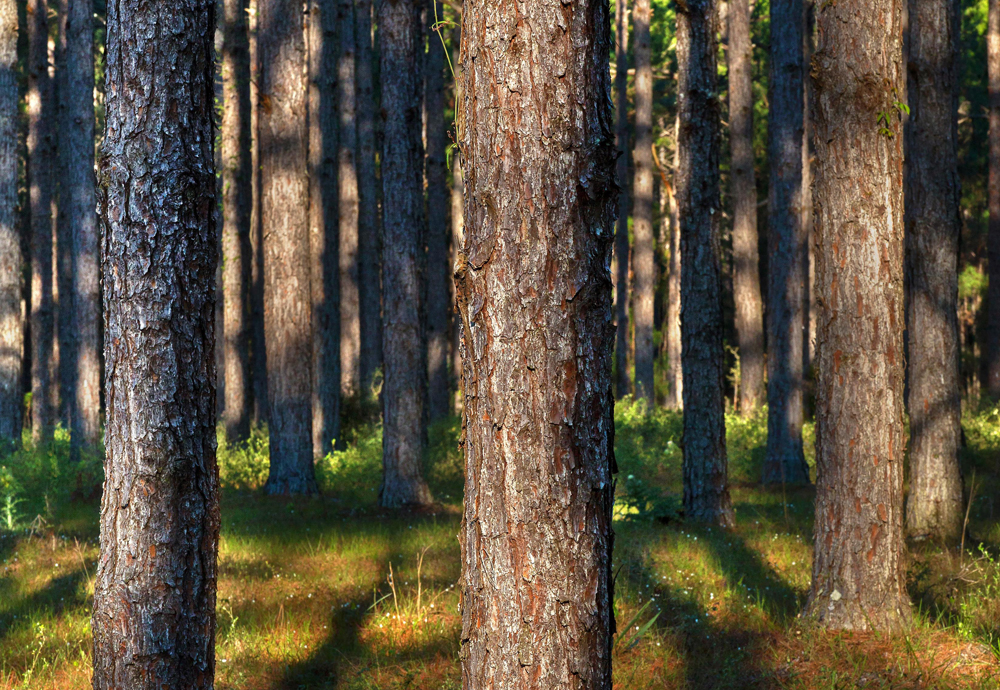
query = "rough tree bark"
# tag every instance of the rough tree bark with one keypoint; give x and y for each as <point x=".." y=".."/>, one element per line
<point x="438" y="273"/>
<point x="784" y="460"/>
<point x="404" y="396"/>
<point x="991" y="348"/>
<point x="534" y="290"/>
<point x="934" y="508"/>
<point x="11" y="326"/>
<point x="154" y="599"/>
<point x="706" y="489"/>
<point x="347" y="185"/>
<point x="858" y="572"/>
<point x="643" y="251"/>
<point x="675" y="376"/>
<point x="746" y="274"/>
<point x="41" y="154"/>
<point x="237" y="199"/>
<point x="369" y="230"/>
<point x="623" y="383"/>
<point x="285" y="214"/>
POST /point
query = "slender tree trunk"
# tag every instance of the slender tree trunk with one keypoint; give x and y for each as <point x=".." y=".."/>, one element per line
<point x="11" y="328"/>
<point x="746" y="278"/>
<point x="237" y="200"/>
<point x="154" y="599"/>
<point x="457" y="242"/>
<point x="675" y="392"/>
<point x="785" y="461"/>
<point x="404" y="396"/>
<point x="858" y="571"/>
<point x="347" y="174"/>
<point x="285" y="213"/>
<point x="258" y="351"/>
<point x="40" y="158"/>
<point x="643" y="251"/>
<point x="991" y="348"/>
<point x="369" y="229"/>
<point x="706" y="489"/>
<point x="438" y="275"/>
<point x="623" y="383"/>
<point x="934" y="508"/>
<point x="535" y="296"/>
<point x="808" y="262"/>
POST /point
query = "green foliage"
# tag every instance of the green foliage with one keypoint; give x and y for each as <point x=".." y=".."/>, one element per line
<point x="972" y="282"/>
<point x="244" y="466"/>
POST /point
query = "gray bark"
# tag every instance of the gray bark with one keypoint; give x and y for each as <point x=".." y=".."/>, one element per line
<point x="347" y="185"/>
<point x="643" y="250"/>
<point x="934" y="507"/>
<point x="154" y="599"/>
<point x="404" y="396"/>
<point x="535" y="297"/>
<point x="11" y="325"/>
<point x="706" y="488"/>
<point x="858" y="577"/>
<point x="623" y="383"/>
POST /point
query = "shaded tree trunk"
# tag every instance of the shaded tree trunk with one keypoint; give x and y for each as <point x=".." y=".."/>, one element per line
<point x="438" y="275"/>
<point x="285" y="213"/>
<point x="706" y="489"/>
<point x="41" y="154"/>
<point x="535" y="296"/>
<point x="237" y="199"/>
<point x="643" y="251"/>
<point x="347" y="185"/>
<point x="675" y="377"/>
<point x="991" y="348"/>
<point x="934" y="508"/>
<point x="11" y="326"/>
<point x="154" y="599"/>
<point x="623" y="383"/>
<point x="457" y="242"/>
<point x="746" y="274"/>
<point x="785" y="461"/>
<point x="369" y="229"/>
<point x="858" y="573"/>
<point x="404" y="396"/>
<point x="808" y="262"/>
<point x="258" y="351"/>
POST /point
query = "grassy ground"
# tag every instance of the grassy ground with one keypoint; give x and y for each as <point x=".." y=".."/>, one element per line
<point x="331" y="593"/>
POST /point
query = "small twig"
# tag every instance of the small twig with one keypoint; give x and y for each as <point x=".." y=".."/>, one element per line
<point x="965" y="524"/>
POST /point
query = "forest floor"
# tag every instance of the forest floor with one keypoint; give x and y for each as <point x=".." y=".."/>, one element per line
<point x="332" y="593"/>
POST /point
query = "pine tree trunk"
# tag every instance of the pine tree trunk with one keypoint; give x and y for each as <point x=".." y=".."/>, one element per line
<point x="535" y="296"/>
<point x="991" y="348"/>
<point x="675" y="377"/>
<point x="457" y="242"/>
<point x="746" y="275"/>
<point x="40" y="159"/>
<point x="404" y="396"/>
<point x="369" y="230"/>
<point x="706" y="489"/>
<point x="285" y="214"/>
<point x="258" y="351"/>
<point x="934" y="508"/>
<point x="785" y="461"/>
<point x="347" y="185"/>
<point x="154" y="599"/>
<point x="623" y="383"/>
<point x="643" y="251"/>
<point x="438" y="273"/>
<point x="11" y="328"/>
<point x="808" y="263"/>
<point x="858" y="571"/>
<point x="237" y="198"/>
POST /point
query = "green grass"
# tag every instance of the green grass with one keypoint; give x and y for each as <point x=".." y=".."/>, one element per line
<point x="306" y="599"/>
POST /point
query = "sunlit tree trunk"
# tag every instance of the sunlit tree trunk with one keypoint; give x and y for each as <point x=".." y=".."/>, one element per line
<point x="534" y="292"/>
<point x="11" y="326"/>
<point x="347" y="176"/>
<point x="623" y="383"/>
<point x="859" y="578"/>
<point x="675" y="377"/>
<point x="991" y="348"/>
<point x="404" y="397"/>
<point x="154" y="600"/>
<point x="643" y="251"/>
<point x="934" y="507"/>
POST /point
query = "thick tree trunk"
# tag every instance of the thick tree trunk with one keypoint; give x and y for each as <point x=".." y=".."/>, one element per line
<point x="237" y="199"/>
<point x="404" y="396"/>
<point x="41" y="154"/>
<point x="347" y="185"/>
<point x="535" y="296"/>
<point x="623" y="383"/>
<point x="11" y="327"/>
<point x="643" y="251"/>
<point x="991" y="348"/>
<point x="285" y="213"/>
<point x="438" y="273"/>
<point x="154" y="599"/>
<point x="706" y="489"/>
<point x="746" y="275"/>
<point x="858" y="571"/>
<point x="369" y="230"/>
<point x="785" y="461"/>
<point x="934" y="508"/>
<point x="675" y="377"/>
